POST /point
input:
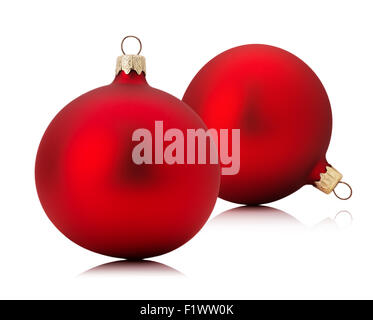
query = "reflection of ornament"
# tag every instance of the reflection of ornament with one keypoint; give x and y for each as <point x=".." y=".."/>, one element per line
<point x="97" y="196"/>
<point x="343" y="219"/>
<point x="132" y="268"/>
<point x="284" y="115"/>
<point x="255" y="216"/>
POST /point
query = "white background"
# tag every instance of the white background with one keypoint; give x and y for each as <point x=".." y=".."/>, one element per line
<point x="53" y="51"/>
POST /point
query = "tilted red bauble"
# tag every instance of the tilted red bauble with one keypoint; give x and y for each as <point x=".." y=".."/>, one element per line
<point x="98" y="197"/>
<point x="284" y="115"/>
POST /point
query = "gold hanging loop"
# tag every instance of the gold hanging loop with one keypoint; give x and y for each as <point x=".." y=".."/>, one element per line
<point x="343" y="198"/>
<point x="122" y="43"/>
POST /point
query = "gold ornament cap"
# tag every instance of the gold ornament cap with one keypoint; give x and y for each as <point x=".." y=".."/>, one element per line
<point x="129" y="62"/>
<point x="329" y="180"/>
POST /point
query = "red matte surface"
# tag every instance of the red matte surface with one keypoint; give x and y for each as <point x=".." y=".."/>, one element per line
<point x="93" y="192"/>
<point x="282" y="110"/>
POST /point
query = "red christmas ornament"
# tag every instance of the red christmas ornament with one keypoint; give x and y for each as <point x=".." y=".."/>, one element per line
<point x="95" y="194"/>
<point x="284" y="116"/>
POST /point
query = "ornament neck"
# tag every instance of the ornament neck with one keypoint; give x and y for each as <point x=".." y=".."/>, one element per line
<point x="132" y="78"/>
<point x="326" y="178"/>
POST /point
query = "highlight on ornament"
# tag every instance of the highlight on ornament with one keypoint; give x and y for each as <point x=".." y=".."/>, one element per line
<point x="174" y="152"/>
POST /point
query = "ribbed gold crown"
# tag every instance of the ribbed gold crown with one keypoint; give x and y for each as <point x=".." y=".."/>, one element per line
<point x="328" y="180"/>
<point x="129" y="62"/>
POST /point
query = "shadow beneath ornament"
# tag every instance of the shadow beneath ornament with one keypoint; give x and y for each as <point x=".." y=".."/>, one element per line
<point x="256" y="216"/>
<point x="132" y="268"/>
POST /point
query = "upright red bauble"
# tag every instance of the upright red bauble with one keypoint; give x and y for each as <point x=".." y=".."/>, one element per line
<point x="97" y="196"/>
<point x="284" y="115"/>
